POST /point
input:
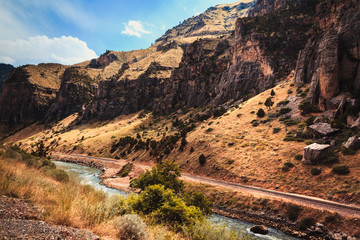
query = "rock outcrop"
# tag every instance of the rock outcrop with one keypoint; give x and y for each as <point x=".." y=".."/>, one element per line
<point x="104" y="60"/>
<point x="331" y="58"/>
<point x="322" y="129"/>
<point x="260" y="229"/>
<point x="77" y="89"/>
<point x="28" y="93"/>
<point x="315" y="153"/>
<point x="4" y="72"/>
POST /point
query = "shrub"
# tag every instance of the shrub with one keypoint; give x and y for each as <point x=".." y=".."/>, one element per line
<point x="255" y="123"/>
<point x="310" y="121"/>
<point x="332" y="218"/>
<point x="306" y="107"/>
<point x="289" y="91"/>
<point x="287" y="166"/>
<point x="276" y="130"/>
<point x="209" y="130"/>
<point x="293" y="212"/>
<point x="261" y="113"/>
<point x="306" y="223"/>
<point x="341" y="170"/>
<point x="315" y="171"/>
<point x="199" y="200"/>
<point x="166" y="207"/>
<point x="330" y="159"/>
<point x="283" y="103"/>
<point x="202" y="159"/>
<point x="58" y="174"/>
<point x="283" y="111"/>
<point x="40" y="150"/>
<point x="298" y="157"/>
<point x="130" y="226"/>
<point x="272" y="93"/>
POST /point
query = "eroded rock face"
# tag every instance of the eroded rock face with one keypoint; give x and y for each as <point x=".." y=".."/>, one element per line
<point x="331" y="58"/>
<point x="28" y="93"/>
<point x="314" y="153"/>
<point x="77" y="89"/>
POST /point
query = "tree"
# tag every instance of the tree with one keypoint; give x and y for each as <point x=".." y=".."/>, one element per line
<point x="202" y="159"/>
<point x="272" y="93"/>
<point x="166" y="173"/>
<point x="261" y="113"/>
<point x="269" y="103"/>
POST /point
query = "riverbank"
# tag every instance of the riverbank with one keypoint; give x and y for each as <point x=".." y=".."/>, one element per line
<point x="277" y="221"/>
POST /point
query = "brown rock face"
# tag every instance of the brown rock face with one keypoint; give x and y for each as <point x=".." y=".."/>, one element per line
<point x="77" y="89"/>
<point x="103" y="61"/>
<point x="331" y="58"/>
<point x="263" y="7"/>
<point x="28" y="92"/>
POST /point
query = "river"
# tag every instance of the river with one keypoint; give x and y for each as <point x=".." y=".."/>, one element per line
<point x="90" y="176"/>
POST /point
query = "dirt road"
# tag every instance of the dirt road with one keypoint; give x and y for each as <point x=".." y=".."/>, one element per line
<point x="343" y="209"/>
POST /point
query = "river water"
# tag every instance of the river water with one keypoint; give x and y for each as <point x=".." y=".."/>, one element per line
<point x="90" y="176"/>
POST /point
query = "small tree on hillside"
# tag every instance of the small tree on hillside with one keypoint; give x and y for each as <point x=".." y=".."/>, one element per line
<point x="272" y="93"/>
<point x="202" y="159"/>
<point x="269" y="103"/>
<point x="261" y="113"/>
<point x="40" y="150"/>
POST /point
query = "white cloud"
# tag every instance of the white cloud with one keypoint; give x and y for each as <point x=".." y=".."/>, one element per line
<point x="135" y="28"/>
<point x="41" y="49"/>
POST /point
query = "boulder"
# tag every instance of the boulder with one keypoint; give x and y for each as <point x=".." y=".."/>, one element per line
<point x="260" y="229"/>
<point x="353" y="143"/>
<point x="315" y="152"/>
<point x="322" y="129"/>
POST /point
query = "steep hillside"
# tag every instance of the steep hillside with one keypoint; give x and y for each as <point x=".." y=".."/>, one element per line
<point x="4" y="72"/>
<point x="218" y="21"/>
<point x="28" y="92"/>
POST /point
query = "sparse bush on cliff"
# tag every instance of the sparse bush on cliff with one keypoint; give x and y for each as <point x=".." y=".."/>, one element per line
<point x="306" y="222"/>
<point x="315" y="171"/>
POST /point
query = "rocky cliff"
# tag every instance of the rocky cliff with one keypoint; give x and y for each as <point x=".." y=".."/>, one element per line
<point x="4" y="72"/>
<point x="331" y="59"/>
<point x="28" y="92"/>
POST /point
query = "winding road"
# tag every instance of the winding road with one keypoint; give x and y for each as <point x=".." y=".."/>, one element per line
<point x="342" y="209"/>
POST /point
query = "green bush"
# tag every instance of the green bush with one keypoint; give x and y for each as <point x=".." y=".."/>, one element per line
<point x="341" y="170"/>
<point x="310" y="120"/>
<point x="333" y="218"/>
<point x="166" y="173"/>
<point x="315" y="171"/>
<point x="298" y="157"/>
<point x="166" y="207"/>
<point x="130" y="226"/>
<point x="261" y="113"/>
<point x="199" y="200"/>
<point x="306" y="107"/>
<point x="202" y="159"/>
<point x="269" y="103"/>
<point x="272" y="93"/>
<point x="306" y="223"/>
<point x="209" y="130"/>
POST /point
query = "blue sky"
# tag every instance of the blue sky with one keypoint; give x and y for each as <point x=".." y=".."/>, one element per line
<point x="71" y="31"/>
